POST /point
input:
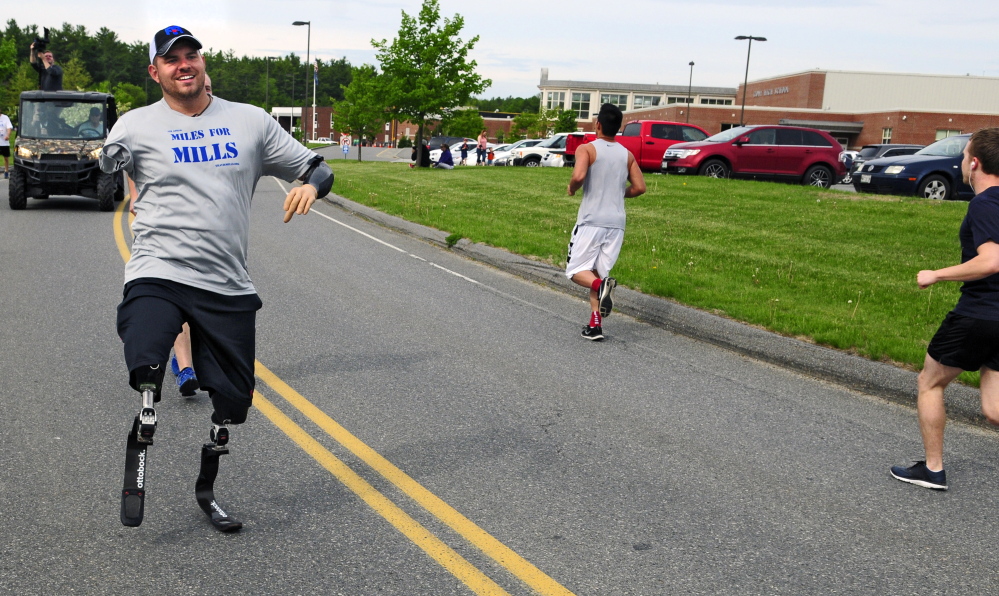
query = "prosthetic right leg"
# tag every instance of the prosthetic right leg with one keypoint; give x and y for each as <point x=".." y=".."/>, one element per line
<point x="133" y="493"/>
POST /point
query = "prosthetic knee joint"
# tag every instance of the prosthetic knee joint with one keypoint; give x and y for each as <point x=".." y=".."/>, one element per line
<point x="148" y="380"/>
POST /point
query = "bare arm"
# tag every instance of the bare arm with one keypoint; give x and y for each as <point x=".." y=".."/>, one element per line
<point x="132" y="193"/>
<point x="33" y="55"/>
<point x="635" y="177"/>
<point x="584" y="157"/>
<point x="986" y="263"/>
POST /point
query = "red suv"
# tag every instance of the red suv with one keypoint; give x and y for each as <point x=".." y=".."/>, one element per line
<point x="780" y="152"/>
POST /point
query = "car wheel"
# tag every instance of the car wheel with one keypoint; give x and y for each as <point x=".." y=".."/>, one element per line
<point x="532" y="162"/>
<point x="16" y="191"/>
<point x="820" y="176"/>
<point x="934" y="187"/>
<point x="105" y="192"/>
<point x="715" y="168"/>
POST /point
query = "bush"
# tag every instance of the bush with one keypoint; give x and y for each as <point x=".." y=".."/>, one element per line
<point x="405" y="141"/>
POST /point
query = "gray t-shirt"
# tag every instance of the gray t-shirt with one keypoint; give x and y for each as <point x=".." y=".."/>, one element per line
<point x="195" y="177"/>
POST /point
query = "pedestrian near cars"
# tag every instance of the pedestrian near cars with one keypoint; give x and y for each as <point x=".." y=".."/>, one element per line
<point x="968" y="338"/>
<point x="464" y="153"/>
<point x="5" y="129"/>
<point x="480" y="149"/>
<point x="196" y="160"/>
<point x="446" y="160"/>
<point x="608" y="173"/>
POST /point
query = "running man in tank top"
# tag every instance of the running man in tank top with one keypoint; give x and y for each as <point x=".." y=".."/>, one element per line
<point x="608" y="174"/>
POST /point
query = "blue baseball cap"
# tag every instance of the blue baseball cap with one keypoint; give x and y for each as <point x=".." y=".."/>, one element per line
<point x="165" y="38"/>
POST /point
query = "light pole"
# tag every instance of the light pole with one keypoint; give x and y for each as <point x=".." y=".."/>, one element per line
<point x="267" y="87"/>
<point x="308" y="43"/>
<point x="689" y="83"/>
<point x="746" y="81"/>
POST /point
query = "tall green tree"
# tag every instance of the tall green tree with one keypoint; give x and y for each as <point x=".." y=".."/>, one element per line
<point x="362" y="111"/>
<point x="565" y="120"/>
<point x="75" y="76"/>
<point x="463" y="123"/>
<point x="426" y="69"/>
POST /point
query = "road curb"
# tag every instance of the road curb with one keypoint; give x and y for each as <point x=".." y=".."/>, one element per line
<point x="853" y="372"/>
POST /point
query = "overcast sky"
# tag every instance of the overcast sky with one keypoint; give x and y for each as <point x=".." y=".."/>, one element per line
<point x="644" y="41"/>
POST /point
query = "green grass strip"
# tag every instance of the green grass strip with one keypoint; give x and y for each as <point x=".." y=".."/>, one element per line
<point x="826" y="266"/>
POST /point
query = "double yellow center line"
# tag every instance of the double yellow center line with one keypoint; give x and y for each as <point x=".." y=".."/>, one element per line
<point x="437" y="549"/>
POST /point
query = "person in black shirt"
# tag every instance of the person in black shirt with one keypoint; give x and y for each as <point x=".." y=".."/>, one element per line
<point x="49" y="73"/>
<point x="968" y="338"/>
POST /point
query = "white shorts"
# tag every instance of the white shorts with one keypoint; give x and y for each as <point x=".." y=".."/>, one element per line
<point x="592" y="248"/>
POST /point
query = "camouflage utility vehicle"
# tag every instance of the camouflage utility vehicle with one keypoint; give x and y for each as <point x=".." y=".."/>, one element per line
<point x="59" y="139"/>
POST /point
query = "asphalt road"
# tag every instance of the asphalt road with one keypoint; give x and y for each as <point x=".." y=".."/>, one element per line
<point x="429" y="425"/>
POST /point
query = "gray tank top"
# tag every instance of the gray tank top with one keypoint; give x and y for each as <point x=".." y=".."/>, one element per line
<point x="603" y="189"/>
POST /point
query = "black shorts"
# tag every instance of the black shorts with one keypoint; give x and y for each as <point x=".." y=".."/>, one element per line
<point x="966" y="343"/>
<point x="223" y="337"/>
<point x="4" y="150"/>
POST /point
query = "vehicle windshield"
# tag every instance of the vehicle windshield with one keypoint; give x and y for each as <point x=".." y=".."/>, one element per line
<point x="728" y="135"/>
<point x="949" y="147"/>
<point x="62" y="120"/>
<point x="552" y="142"/>
<point x="868" y="152"/>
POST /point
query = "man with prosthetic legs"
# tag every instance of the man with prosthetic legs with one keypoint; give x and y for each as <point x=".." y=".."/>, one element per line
<point x="195" y="160"/>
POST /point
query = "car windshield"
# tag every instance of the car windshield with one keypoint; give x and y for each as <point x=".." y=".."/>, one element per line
<point x="552" y="142"/>
<point x="949" y="147"/>
<point x="868" y="152"/>
<point x="728" y="135"/>
<point x="62" y="120"/>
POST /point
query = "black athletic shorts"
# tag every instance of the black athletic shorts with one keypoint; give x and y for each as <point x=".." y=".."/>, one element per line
<point x="4" y="150"/>
<point x="966" y="343"/>
<point x="223" y="337"/>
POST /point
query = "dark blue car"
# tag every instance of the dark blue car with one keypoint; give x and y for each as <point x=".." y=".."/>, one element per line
<point x="933" y="172"/>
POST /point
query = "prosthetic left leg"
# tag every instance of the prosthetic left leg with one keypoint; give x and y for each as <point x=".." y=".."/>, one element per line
<point x="133" y="492"/>
<point x="204" y="489"/>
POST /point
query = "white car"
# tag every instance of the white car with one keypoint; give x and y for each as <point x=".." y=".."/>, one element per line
<point x="504" y="157"/>
<point x="552" y="160"/>
<point x="325" y="141"/>
<point x="531" y="156"/>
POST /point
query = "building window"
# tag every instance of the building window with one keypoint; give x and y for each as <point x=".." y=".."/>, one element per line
<point x="726" y="126"/>
<point x="555" y="100"/>
<point x="581" y="105"/>
<point x="620" y="101"/>
<point x="943" y="134"/>
<point x="672" y="99"/>
<point x="886" y="136"/>
<point x="647" y="101"/>
<point x="331" y="122"/>
<point x="712" y="101"/>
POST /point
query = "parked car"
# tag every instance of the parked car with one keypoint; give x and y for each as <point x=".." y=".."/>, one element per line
<point x="933" y="172"/>
<point x="325" y="141"/>
<point x="789" y="153"/>
<point x="869" y="152"/>
<point x="531" y="156"/>
<point x="646" y="139"/>
<point x="504" y="157"/>
<point x="553" y="159"/>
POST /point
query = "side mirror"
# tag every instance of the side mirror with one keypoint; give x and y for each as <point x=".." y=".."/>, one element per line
<point x="742" y="140"/>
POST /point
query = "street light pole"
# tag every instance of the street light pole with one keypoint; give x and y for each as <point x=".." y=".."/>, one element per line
<point x="689" y="83"/>
<point x="308" y="43"/>
<point x="267" y="85"/>
<point x="746" y="81"/>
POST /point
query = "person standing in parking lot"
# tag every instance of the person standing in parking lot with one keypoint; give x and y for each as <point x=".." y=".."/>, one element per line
<point x="480" y="149"/>
<point x="603" y="170"/>
<point x="968" y="338"/>
<point x="5" y="129"/>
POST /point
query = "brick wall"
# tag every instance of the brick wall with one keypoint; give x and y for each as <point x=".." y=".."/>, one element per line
<point x="797" y="91"/>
